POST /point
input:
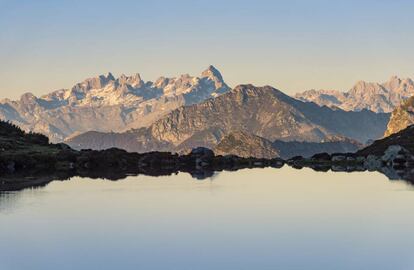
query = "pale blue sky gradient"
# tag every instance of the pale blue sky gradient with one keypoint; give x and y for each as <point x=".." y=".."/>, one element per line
<point x="292" y="45"/>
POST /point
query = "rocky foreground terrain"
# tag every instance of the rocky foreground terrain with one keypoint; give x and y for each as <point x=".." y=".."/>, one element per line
<point x="384" y="97"/>
<point x="392" y="156"/>
<point x="28" y="160"/>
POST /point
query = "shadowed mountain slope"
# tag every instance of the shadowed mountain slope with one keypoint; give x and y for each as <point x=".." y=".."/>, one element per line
<point x="403" y="138"/>
<point x="263" y="111"/>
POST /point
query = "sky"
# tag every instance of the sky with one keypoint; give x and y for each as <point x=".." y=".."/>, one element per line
<point x="292" y="45"/>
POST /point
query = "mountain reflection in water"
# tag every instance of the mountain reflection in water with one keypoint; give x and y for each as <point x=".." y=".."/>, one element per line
<point x="20" y="182"/>
<point x="247" y="219"/>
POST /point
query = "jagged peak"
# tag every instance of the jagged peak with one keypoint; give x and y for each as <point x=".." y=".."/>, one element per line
<point x="408" y="80"/>
<point x="393" y="82"/>
<point x="134" y="79"/>
<point x="109" y="76"/>
<point x="212" y="72"/>
<point x="361" y="86"/>
<point x="161" y="82"/>
<point x="28" y="96"/>
<point x="102" y="77"/>
<point x="394" y="78"/>
<point x="136" y="76"/>
<point x="95" y="82"/>
<point x="361" y="83"/>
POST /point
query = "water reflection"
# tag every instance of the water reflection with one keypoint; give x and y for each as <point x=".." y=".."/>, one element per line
<point x="20" y="182"/>
<point x="248" y="219"/>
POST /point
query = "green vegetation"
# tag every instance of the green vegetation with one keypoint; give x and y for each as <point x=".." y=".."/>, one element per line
<point x="26" y="150"/>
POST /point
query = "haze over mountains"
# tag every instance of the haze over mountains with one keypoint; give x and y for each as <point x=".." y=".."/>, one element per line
<point x="106" y="103"/>
<point x="260" y="111"/>
<point x="177" y="114"/>
<point x="372" y="96"/>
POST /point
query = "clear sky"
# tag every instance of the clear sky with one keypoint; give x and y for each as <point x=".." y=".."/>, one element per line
<point x="292" y="45"/>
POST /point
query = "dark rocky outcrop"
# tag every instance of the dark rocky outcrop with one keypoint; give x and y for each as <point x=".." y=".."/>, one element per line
<point x="404" y="138"/>
<point x="28" y="159"/>
<point x="392" y="156"/>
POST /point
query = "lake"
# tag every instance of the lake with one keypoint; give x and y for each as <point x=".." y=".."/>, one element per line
<point x="249" y="219"/>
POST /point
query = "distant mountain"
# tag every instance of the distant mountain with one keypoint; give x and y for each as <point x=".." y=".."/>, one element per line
<point x="263" y="111"/>
<point x="106" y="103"/>
<point x="364" y="95"/>
<point x="401" y="117"/>
<point x="247" y="145"/>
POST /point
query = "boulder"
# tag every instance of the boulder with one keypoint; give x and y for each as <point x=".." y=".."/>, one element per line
<point x="338" y="157"/>
<point x="202" y="152"/>
<point x="321" y="156"/>
<point x="372" y="163"/>
<point x="203" y="156"/>
<point x="397" y="156"/>
<point x="392" y="152"/>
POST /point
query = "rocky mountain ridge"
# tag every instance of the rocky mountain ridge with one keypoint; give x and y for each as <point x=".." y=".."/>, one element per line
<point x="262" y="111"/>
<point x="377" y="97"/>
<point x="105" y="103"/>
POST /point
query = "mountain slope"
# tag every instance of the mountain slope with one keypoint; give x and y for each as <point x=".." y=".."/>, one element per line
<point x="245" y="145"/>
<point x="401" y="117"/>
<point x="403" y="138"/>
<point x="307" y="149"/>
<point x="364" y="95"/>
<point x="263" y="111"/>
<point x="106" y="103"/>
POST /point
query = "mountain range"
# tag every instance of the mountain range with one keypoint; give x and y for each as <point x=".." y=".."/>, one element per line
<point x="384" y="97"/>
<point x="259" y="111"/>
<point x="106" y="103"/>
<point x="177" y="114"/>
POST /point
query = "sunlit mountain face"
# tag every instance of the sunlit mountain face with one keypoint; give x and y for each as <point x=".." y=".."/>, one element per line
<point x="106" y="103"/>
<point x="377" y="97"/>
<point x="296" y="153"/>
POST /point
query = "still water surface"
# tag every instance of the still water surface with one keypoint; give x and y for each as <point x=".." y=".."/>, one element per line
<point x="250" y="219"/>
